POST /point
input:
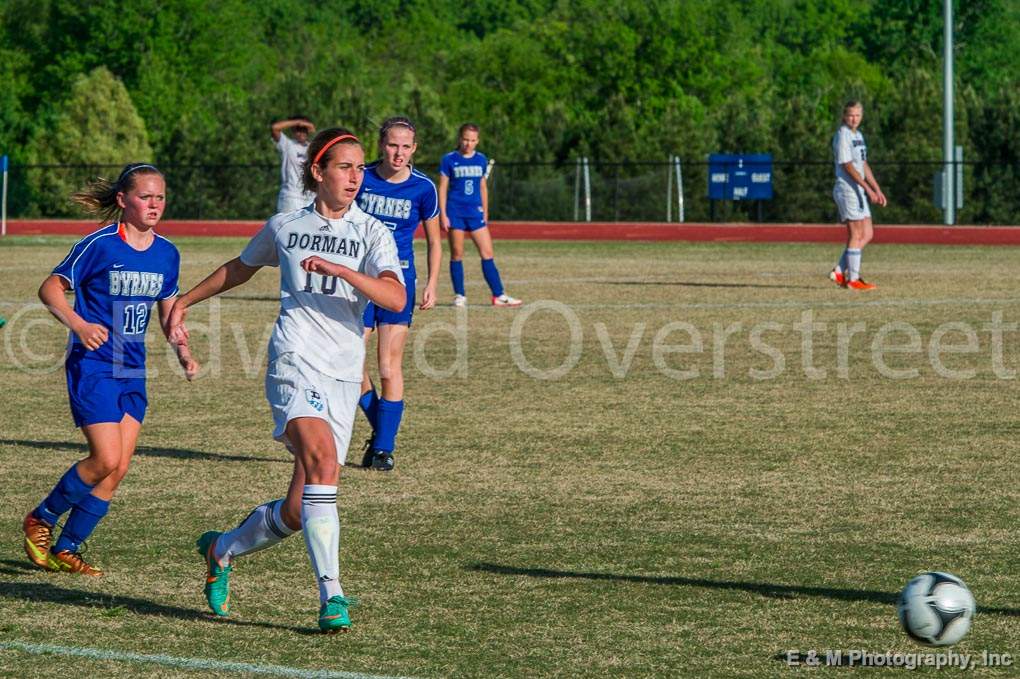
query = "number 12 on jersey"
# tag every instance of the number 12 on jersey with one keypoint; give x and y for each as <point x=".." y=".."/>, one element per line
<point x="136" y="318"/>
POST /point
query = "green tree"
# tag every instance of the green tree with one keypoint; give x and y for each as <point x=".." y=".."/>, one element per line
<point x="95" y="129"/>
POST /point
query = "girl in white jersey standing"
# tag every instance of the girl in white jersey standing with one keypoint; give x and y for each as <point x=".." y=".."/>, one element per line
<point x="855" y="186"/>
<point x="333" y="259"/>
<point x="293" y="152"/>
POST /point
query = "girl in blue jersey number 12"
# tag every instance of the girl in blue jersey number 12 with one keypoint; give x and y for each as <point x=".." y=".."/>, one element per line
<point x="464" y="207"/>
<point x="401" y="198"/>
<point x="116" y="274"/>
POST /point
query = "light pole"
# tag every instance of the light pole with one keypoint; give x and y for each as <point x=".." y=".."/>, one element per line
<point x="949" y="166"/>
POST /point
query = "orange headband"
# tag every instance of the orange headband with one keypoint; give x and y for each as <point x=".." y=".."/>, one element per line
<point x="318" y="156"/>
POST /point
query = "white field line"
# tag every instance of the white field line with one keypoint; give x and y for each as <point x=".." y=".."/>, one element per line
<point x="185" y="663"/>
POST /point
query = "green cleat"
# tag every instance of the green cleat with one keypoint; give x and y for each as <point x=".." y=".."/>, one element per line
<point x="217" y="577"/>
<point x="333" y="616"/>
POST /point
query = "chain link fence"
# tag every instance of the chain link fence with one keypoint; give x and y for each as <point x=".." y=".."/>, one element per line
<point x="621" y="191"/>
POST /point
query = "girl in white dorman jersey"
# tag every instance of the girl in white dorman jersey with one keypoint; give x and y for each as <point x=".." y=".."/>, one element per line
<point x="855" y="186"/>
<point x="333" y="259"/>
<point x="293" y="195"/>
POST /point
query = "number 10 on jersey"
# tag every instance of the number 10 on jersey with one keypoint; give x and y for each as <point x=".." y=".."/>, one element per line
<point x="327" y="284"/>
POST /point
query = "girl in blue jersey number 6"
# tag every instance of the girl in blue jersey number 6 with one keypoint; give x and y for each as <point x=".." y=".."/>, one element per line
<point x="116" y="274"/>
<point x="464" y="206"/>
<point x="401" y="198"/>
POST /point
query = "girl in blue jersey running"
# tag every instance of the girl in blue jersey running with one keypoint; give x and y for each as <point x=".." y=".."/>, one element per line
<point x="401" y="198"/>
<point x="464" y="206"/>
<point x="116" y="273"/>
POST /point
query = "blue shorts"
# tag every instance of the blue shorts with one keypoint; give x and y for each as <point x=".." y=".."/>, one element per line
<point x="375" y="315"/>
<point x="97" y="396"/>
<point x="468" y="224"/>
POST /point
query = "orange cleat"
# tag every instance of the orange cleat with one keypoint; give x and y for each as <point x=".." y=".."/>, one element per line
<point x="38" y="538"/>
<point x="71" y="562"/>
<point x="859" y="284"/>
<point x="837" y="278"/>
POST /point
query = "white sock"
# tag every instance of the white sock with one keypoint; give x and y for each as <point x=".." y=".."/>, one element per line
<point x="263" y="528"/>
<point x="853" y="259"/>
<point x="320" y="523"/>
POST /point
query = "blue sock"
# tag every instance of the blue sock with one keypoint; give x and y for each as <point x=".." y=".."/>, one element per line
<point x="84" y="518"/>
<point x="491" y="274"/>
<point x="369" y="403"/>
<point x="68" y="491"/>
<point x="457" y="276"/>
<point x="844" y="263"/>
<point x="390" y="413"/>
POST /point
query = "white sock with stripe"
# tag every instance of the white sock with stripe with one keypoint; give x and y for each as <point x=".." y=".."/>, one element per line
<point x="853" y="259"/>
<point x="320" y="522"/>
<point x="263" y="528"/>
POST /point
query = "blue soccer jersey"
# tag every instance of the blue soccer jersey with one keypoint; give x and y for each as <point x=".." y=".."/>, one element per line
<point x="115" y="286"/>
<point x="401" y="207"/>
<point x="464" y="196"/>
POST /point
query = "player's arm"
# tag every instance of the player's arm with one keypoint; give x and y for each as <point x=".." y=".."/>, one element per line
<point x="434" y="248"/>
<point x="279" y="126"/>
<point x="483" y="186"/>
<point x="229" y="275"/>
<point x="386" y="290"/>
<point x="190" y="365"/>
<point x="444" y="188"/>
<point x="859" y="180"/>
<point x="869" y="178"/>
<point x="51" y="292"/>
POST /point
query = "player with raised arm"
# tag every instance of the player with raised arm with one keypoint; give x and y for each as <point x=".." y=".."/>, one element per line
<point x="855" y="186"/>
<point x="293" y="152"/>
<point x="401" y="198"/>
<point x="116" y="273"/>
<point x="334" y="258"/>
<point x="464" y="207"/>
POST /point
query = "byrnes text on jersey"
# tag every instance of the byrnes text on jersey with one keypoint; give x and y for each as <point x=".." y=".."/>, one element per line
<point x="135" y="283"/>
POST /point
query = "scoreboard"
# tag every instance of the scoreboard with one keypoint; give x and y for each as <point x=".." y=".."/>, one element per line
<point x="740" y="176"/>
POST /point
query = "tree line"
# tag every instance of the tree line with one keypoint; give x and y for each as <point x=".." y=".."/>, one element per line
<point x="194" y="86"/>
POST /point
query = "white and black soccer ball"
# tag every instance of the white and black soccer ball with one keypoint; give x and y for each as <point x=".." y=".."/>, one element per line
<point x="936" y="609"/>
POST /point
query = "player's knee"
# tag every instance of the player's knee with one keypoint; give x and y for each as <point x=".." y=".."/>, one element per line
<point x="391" y="368"/>
<point x="99" y="467"/>
<point x="119" y="472"/>
<point x="320" y="463"/>
<point x="290" y="512"/>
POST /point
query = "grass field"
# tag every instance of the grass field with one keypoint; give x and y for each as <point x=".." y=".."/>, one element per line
<point x="657" y="468"/>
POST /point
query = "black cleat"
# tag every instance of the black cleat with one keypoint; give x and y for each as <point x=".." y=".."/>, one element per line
<point x="369" y="453"/>
<point x="382" y="461"/>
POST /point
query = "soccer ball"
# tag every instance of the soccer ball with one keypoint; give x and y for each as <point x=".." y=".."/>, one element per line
<point x="935" y="609"/>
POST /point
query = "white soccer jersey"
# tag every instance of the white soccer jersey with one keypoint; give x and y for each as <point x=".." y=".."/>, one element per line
<point x="292" y="163"/>
<point x="848" y="147"/>
<point x="320" y="316"/>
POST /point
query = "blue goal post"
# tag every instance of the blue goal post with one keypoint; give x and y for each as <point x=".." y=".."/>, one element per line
<point x="3" y="199"/>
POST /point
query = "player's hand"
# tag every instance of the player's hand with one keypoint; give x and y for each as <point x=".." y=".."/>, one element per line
<point x="316" y="264"/>
<point x="870" y="193"/>
<point x="92" y="335"/>
<point x="444" y="224"/>
<point x="190" y="365"/>
<point x="428" y="298"/>
<point x="880" y="198"/>
<point x="176" y="332"/>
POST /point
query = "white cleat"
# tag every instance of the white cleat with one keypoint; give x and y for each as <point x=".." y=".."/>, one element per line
<point x="506" y="300"/>
<point x="459" y="301"/>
